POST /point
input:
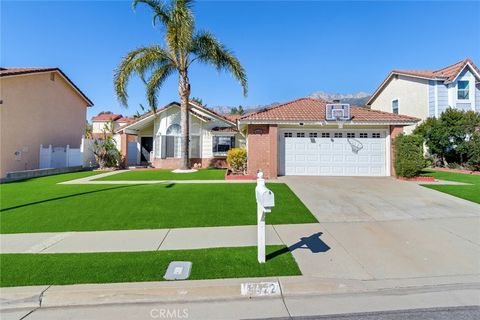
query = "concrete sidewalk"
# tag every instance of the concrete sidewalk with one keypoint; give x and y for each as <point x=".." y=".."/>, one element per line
<point x="93" y="180"/>
<point x="134" y="240"/>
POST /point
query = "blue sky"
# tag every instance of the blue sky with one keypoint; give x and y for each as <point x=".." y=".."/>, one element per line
<point x="289" y="49"/>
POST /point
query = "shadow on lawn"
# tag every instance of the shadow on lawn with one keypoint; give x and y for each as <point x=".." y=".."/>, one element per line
<point x="64" y="197"/>
<point x="313" y="242"/>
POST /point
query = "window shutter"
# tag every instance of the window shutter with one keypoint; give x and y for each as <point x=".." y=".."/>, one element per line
<point x="232" y="142"/>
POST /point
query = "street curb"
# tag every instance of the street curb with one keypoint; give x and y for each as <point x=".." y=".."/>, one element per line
<point x="210" y="290"/>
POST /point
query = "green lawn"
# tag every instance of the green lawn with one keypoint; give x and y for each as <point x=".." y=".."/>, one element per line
<point x="42" y="205"/>
<point x="204" y="174"/>
<point x="75" y="268"/>
<point x="468" y="192"/>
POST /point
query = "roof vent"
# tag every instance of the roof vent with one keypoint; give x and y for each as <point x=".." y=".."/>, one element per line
<point x="336" y="101"/>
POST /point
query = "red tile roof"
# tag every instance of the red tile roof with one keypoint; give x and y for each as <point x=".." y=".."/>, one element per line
<point x="309" y="109"/>
<point x="16" y="71"/>
<point x="21" y="70"/>
<point x="448" y="73"/>
<point x="232" y="117"/>
<point x="107" y="117"/>
<point x="125" y="119"/>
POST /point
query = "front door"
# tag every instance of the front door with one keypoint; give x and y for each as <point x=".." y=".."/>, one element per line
<point x="146" y="146"/>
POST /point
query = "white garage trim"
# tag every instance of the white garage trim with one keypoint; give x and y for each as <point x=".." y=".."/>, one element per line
<point x="330" y="152"/>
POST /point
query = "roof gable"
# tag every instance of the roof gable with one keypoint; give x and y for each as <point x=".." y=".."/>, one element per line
<point x="19" y="71"/>
<point x="196" y="110"/>
<point x="448" y="74"/>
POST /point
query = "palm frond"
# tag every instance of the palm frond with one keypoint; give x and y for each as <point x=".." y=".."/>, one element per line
<point x="210" y="51"/>
<point x="155" y="83"/>
<point x="138" y="62"/>
<point x="160" y="9"/>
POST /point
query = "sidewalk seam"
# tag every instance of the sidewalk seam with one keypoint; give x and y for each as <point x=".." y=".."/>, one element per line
<point x="165" y="237"/>
<point x="283" y="298"/>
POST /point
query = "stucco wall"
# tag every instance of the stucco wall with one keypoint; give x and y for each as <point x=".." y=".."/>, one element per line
<point x="37" y="110"/>
<point x="412" y="95"/>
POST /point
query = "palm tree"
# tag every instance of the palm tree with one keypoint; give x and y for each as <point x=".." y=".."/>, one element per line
<point x="182" y="47"/>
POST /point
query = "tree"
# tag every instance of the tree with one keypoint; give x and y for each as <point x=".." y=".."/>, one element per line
<point x="198" y="100"/>
<point x="447" y="138"/>
<point x="182" y="47"/>
<point x="238" y="110"/>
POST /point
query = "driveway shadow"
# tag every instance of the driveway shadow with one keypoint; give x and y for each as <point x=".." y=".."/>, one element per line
<point x="312" y="243"/>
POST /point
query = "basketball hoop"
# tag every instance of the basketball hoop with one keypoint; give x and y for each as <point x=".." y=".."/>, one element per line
<point x="338" y="112"/>
<point x="355" y="144"/>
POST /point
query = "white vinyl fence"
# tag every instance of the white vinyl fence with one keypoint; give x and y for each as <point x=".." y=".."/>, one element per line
<point x="64" y="156"/>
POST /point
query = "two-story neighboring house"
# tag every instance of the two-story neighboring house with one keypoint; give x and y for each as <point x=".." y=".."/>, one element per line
<point x="99" y="123"/>
<point x="427" y="93"/>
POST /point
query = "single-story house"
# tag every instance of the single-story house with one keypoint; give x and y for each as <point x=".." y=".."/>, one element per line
<point x="295" y="138"/>
<point x="302" y="138"/>
<point x="159" y="138"/>
<point x="38" y="106"/>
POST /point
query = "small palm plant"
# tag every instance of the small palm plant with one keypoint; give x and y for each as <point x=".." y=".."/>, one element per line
<point x="182" y="47"/>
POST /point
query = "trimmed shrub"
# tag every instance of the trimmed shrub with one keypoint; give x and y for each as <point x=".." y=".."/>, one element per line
<point x="409" y="160"/>
<point x="474" y="152"/>
<point x="237" y="159"/>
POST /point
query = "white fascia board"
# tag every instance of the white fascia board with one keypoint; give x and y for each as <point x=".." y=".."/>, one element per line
<point x="322" y="123"/>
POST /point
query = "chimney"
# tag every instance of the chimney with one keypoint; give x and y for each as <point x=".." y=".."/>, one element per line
<point x="336" y="100"/>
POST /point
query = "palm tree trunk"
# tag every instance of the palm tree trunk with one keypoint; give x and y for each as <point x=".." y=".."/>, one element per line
<point x="184" y="91"/>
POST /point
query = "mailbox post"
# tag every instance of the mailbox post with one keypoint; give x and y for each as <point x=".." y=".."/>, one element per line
<point x="265" y="202"/>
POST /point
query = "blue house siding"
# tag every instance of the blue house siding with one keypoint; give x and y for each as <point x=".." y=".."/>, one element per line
<point x="477" y="98"/>
<point x="464" y="106"/>
<point x="431" y="98"/>
<point x="442" y="97"/>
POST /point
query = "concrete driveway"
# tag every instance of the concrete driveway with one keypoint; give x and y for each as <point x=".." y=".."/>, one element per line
<point x="381" y="228"/>
<point x="348" y="199"/>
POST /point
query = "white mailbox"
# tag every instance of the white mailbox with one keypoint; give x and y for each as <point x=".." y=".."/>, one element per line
<point x="265" y="198"/>
<point x="265" y="202"/>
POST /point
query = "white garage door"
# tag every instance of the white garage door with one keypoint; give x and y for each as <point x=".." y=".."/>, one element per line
<point x="333" y="152"/>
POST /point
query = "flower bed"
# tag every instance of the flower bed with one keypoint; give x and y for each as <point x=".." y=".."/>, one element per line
<point x="418" y="178"/>
<point x="457" y="170"/>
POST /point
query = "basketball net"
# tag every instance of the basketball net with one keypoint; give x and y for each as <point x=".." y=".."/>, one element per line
<point x="355" y="144"/>
<point x="339" y="121"/>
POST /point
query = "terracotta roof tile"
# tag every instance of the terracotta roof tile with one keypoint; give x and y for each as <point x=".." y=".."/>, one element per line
<point x="448" y="73"/>
<point x="107" y="117"/>
<point x="309" y="109"/>
<point x="21" y="70"/>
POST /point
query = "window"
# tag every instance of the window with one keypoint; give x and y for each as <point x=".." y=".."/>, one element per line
<point x="221" y="144"/>
<point x="300" y="134"/>
<point x="312" y="134"/>
<point x="325" y="134"/>
<point x="287" y="135"/>
<point x="463" y="90"/>
<point x="363" y="135"/>
<point x="350" y="134"/>
<point x="376" y="135"/>
<point x="395" y="106"/>
<point x="174" y="130"/>
<point x="338" y="135"/>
